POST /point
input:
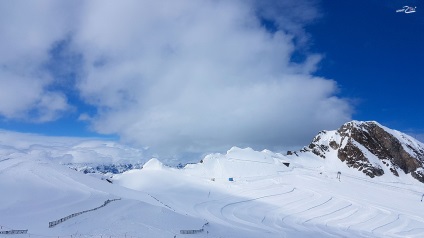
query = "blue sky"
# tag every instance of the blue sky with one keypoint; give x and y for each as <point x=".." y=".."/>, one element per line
<point x="202" y="76"/>
<point x="376" y="56"/>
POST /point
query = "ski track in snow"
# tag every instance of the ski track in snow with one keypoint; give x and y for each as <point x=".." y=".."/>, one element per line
<point x="8" y="164"/>
<point x="328" y="212"/>
<point x="233" y="207"/>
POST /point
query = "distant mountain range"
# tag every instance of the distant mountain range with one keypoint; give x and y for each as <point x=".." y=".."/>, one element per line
<point x="371" y="148"/>
<point x="118" y="168"/>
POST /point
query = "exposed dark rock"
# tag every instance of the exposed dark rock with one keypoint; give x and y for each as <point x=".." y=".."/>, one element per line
<point x="88" y="168"/>
<point x="353" y="157"/>
<point x="316" y="147"/>
<point x="334" y="145"/>
<point x="419" y="175"/>
<point x="381" y="144"/>
<point x="362" y="144"/>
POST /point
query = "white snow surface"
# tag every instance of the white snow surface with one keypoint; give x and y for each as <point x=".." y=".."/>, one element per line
<point x="35" y="192"/>
<point x="268" y="199"/>
<point x="265" y="199"/>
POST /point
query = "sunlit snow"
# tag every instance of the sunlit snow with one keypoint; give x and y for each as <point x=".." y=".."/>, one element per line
<point x="264" y="199"/>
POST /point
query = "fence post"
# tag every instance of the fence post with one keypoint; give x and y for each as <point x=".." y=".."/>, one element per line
<point x="53" y="223"/>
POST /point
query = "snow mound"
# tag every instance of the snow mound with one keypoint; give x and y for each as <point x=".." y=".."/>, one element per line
<point x="238" y="163"/>
<point x="153" y="164"/>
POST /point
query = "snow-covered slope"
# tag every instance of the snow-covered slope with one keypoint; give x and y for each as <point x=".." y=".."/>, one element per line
<point x="34" y="191"/>
<point x="268" y="199"/>
<point x="371" y="148"/>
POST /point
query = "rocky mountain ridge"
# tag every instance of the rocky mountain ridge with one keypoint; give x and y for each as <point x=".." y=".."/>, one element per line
<point x="371" y="148"/>
<point x="91" y="168"/>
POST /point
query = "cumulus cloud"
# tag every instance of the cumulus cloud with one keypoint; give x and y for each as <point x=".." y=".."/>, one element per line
<point x="202" y="75"/>
<point x="67" y="149"/>
<point x="195" y="76"/>
<point x="28" y="30"/>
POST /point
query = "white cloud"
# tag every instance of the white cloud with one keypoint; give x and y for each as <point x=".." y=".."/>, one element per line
<point x="28" y="30"/>
<point x="67" y="149"/>
<point x="25" y="97"/>
<point x="183" y="76"/>
<point x="202" y="75"/>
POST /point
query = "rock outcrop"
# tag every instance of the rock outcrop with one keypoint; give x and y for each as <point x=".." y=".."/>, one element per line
<point x="369" y="147"/>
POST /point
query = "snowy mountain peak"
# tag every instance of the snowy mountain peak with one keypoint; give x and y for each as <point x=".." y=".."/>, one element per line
<point x="371" y="148"/>
<point x="153" y="164"/>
